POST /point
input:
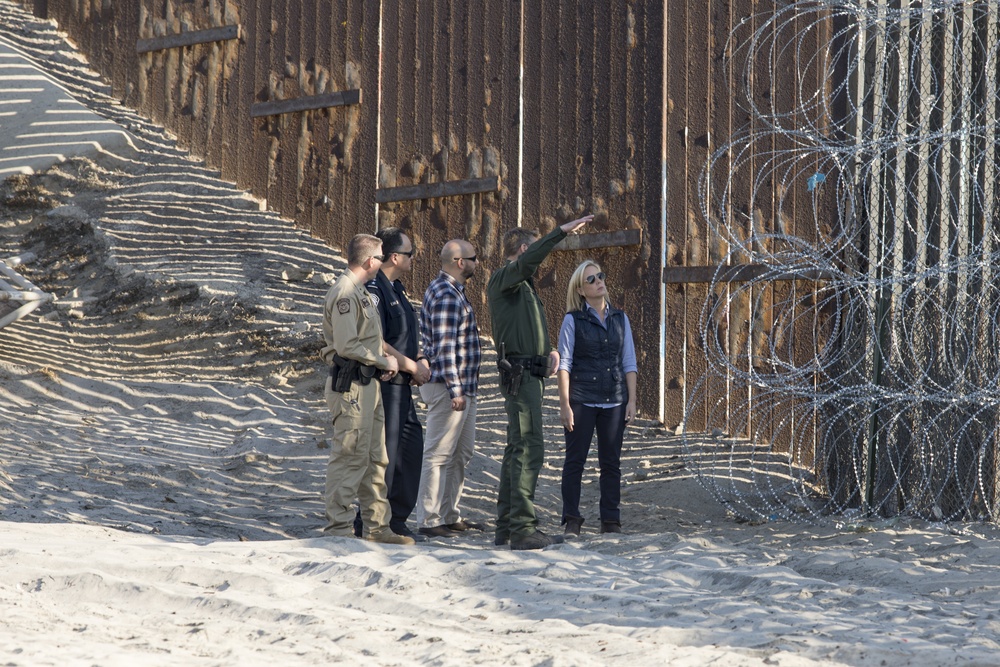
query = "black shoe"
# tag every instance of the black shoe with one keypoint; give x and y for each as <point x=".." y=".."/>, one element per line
<point x="537" y="540"/>
<point x="437" y="531"/>
<point x="611" y="527"/>
<point x="573" y="525"/>
<point x="463" y="525"/>
<point x="500" y="540"/>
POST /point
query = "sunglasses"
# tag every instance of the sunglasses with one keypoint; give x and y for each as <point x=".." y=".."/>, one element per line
<point x="595" y="277"/>
<point x="408" y="253"/>
<point x="474" y="258"/>
<point x="380" y="258"/>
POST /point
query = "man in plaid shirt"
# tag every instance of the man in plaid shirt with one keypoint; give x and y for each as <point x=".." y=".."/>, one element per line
<point x="450" y="340"/>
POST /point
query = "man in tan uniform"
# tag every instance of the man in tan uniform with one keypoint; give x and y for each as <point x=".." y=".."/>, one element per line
<point x="355" y="351"/>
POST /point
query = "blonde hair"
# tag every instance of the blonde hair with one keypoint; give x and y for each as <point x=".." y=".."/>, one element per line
<point x="575" y="300"/>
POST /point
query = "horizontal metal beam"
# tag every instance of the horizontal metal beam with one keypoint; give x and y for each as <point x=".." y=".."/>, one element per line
<point x="335" y="99"/>
<point x="736" y="273"/>
<point x="621" y="237"/>
<point x="25" y="297"/>
<point x="190" y="38"/>
<point x="467" y="186"/>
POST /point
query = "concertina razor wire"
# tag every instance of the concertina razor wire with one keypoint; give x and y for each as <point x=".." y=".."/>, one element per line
<point x="858" y="370"/>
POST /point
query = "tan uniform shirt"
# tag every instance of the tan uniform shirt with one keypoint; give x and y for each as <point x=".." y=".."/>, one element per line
<point x="351" y="325"/>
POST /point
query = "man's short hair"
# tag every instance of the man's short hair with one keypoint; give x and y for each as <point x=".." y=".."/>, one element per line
<point x="392" y="239"/>
<point x="361" y="247"/>
<point x="515" y="238"/>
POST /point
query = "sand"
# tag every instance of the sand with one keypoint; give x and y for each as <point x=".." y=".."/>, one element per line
<point x="163" y="439"/>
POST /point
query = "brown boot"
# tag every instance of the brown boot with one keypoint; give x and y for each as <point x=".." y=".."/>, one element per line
<point x="573" y="525"/>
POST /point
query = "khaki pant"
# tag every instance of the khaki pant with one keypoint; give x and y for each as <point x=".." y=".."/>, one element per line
<point x="356" y="468"/>
<point x="448" y="448"/>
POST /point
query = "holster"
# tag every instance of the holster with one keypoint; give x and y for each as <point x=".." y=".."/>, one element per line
<point x="510" y="376"/>
<point x="345" y="371"/>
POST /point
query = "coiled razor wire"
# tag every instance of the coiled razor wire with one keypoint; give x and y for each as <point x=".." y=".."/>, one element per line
<point x="857" y="366"/>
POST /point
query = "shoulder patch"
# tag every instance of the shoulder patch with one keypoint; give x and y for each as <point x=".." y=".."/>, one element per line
<point x="374" y="299"/>
<point x="344" y="306"/>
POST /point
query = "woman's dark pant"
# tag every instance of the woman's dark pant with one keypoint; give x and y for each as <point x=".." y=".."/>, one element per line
<point x="610" y="426"/>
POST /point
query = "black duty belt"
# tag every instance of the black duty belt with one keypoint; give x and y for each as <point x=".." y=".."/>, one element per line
<point x="401" y="378"/>
<point x="537" y="366"/>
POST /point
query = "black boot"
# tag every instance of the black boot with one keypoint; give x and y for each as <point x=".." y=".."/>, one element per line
<point x="573" y="524"/>
<point x="537" y="540"/>
<point x="611" y="527"/>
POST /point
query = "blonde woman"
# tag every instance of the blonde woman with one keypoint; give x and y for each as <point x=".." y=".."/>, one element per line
<point x="597" y="375"/>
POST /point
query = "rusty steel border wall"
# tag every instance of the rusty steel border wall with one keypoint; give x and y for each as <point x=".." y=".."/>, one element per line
<point x="620" y="105"/>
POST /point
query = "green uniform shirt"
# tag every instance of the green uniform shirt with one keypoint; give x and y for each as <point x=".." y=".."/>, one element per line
<point x="515" y="309"/>
<point x="352" y="327"/>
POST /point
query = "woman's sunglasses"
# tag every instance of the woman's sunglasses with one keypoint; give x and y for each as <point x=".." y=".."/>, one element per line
<point x="591" y="278"/>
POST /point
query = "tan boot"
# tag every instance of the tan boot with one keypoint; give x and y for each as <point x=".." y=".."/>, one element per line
<point x="389" y="537"/>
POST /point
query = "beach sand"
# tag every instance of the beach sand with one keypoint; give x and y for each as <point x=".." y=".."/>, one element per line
<point x="163" y="439"/>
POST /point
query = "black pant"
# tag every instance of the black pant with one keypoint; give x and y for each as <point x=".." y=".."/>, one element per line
<point x="610" y="426"/>
<point x="404" y="445"/>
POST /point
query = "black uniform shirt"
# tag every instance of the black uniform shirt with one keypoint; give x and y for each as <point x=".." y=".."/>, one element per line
<point x="399" y="324"/>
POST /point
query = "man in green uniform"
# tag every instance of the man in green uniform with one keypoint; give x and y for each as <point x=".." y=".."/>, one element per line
<point x="356" y="354"/>
<point x="522" y="339"/>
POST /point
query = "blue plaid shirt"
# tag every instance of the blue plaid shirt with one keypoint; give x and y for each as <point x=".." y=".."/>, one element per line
<point x="450" y="336"/>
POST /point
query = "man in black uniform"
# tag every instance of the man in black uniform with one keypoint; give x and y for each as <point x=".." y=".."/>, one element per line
<point x="404" y="437"/>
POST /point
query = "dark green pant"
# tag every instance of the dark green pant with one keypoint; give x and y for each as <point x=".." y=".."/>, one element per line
<point x="522" y="460"/>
